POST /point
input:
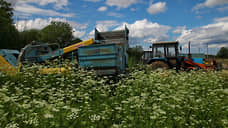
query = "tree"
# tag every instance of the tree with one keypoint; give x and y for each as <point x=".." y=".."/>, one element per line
<point x="223" y="53"/>
<point x="28" y="36"/>
<point x="57" y="32"/>
<point x="74" y="41"/>
<point x="8" y="32"/>
<point x="135" y="54"/>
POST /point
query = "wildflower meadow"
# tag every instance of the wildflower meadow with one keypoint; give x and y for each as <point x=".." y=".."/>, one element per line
<point x="142" y="99"/>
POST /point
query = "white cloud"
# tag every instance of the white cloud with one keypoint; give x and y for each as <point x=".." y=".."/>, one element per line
<point x="39" y="23"/>
<point x="223" y="9"/>
<point x="78" y="25"/>
<point x="223" y="19"/>
<point x="30" y="9"/>
<point x="179" y="29"/>
<point x="102" y="26"/>
<point x="121" y="3"/>
<point x="210" y="3"/>
<point x="214" y="34"/>
<point x="58" y="4"/>
<point x="133" y="9"/>
<point x="102" y="8"/>
<point x="106" y="25"/>
<point x="146" y="31"/>
<point x="114" y="14"/>
<point x="158" y="7"/>
<point x="78" y="34"/>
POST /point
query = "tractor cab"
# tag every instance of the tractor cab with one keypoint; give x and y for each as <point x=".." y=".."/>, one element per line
<point x="164" y="55"/>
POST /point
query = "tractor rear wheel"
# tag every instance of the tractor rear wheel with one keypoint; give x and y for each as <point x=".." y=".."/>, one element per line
<point x="159" y="65"/>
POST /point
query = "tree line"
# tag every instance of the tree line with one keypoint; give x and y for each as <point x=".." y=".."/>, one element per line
<point x="11" y="38"/>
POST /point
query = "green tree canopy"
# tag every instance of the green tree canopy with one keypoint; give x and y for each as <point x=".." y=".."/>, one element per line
<point x="223" y="53"/>
<point x="8" y="32"/>
<point x="28" y="36"/>
<point x="57" y="32"/>
<point x="135" y="54"/>
<point x="74" y="41"/>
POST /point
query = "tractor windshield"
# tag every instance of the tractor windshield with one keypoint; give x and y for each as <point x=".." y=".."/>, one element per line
<point x="164" y="51"/>
<point x="170" y="52"/>
<point x="158" y="52"/>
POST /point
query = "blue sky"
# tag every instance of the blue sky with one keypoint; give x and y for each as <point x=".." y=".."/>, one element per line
<point x="199" y="21"/>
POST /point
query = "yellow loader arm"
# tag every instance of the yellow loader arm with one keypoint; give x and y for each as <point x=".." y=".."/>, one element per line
<point x="6" y="67"/>
<point x="76" y="46"/>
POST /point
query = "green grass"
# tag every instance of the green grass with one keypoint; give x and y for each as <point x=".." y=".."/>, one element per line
<point x="140" y="99"/>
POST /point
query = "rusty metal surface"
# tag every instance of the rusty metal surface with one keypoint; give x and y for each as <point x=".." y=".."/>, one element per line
<point x="108" y="55"/>
<point x="102" y="57"/>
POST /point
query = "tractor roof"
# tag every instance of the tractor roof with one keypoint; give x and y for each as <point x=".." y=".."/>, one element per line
<point x="166" y="42"/>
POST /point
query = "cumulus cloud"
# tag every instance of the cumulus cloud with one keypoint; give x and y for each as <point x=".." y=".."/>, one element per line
<point x="106" y="25"/>
<point x="210" y="3"/>
<point x="78" y="34"/>
<point x="214" y="34"/>
<point x="39" y="23"/>
<point x="102" y="26"/>
<point x="30" y="9"/>
<point x="146" y="31"/>
<point x="158" y="7"/>
<point x="102" y="8"/>
<point x="58" y="4"/>
<point x="179" y="29"/>
<point x="121" y="3"/>
<point x="223" y="19"/>
<point x="114" y="14"/>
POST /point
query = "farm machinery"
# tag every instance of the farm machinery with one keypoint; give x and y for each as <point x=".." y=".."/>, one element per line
<point x="11" y="61"/>
<point x="107" y="54"/>
<point x="165" y="55"/>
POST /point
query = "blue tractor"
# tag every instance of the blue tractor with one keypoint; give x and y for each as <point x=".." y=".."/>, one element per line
<point x="165" y="55"/>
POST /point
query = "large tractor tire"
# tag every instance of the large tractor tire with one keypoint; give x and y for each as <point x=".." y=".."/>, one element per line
<point x="159" y="65"/>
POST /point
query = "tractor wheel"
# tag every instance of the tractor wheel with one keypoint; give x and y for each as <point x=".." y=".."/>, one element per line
<point x="219" y="66"/>
<point x="159" y="65"/>
<point x="183" y="66"/>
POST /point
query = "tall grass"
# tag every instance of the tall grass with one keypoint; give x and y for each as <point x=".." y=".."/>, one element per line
<point x="140" y="99"/>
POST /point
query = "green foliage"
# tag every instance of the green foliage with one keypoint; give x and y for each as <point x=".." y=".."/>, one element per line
<point x="74" y="41"/>
<point x="8" y="33"/>
<point x="28" y="36"/>
<point x="135" y="55"/>
<point x="6" y="11"/>
<point x="223" y="53"/>
<point x="142" y="99"/>
<point x="56" y="32"/>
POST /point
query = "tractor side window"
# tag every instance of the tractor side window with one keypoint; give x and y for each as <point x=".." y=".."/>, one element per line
<point x="170" y="52"/>
<point x="159" y="52"/>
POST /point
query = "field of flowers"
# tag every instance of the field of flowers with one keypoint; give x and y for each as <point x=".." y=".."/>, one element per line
<point x="141" y="99"/>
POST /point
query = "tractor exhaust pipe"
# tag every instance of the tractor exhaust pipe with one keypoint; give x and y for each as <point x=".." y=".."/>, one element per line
<point x="189" y="50"/>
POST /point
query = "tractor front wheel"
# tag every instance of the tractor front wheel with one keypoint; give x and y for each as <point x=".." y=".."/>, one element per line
<point x="159" y="65"/>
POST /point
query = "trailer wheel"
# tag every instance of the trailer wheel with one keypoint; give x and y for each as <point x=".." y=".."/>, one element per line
<point x="159" y="65"/>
